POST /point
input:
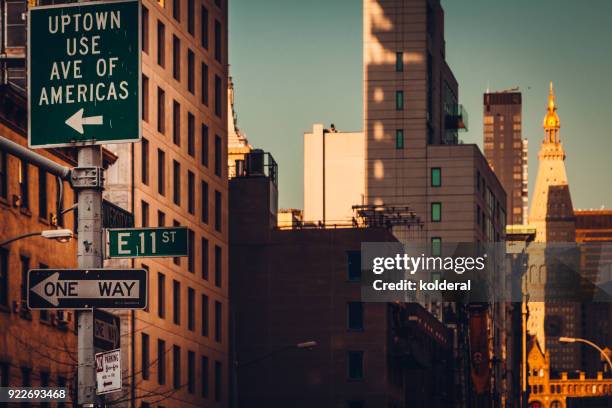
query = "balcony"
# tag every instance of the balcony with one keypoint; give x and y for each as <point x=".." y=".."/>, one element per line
<point x="456" y="118"/>
<point x="257" y="163"/>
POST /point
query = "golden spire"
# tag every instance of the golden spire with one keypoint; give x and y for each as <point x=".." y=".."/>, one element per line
<point x="551" y="122"/>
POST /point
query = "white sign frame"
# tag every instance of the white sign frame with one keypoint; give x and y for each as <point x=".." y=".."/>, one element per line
<point x="108" y="373"/>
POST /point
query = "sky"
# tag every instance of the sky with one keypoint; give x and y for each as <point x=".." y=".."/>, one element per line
<point x="295" y="63"/>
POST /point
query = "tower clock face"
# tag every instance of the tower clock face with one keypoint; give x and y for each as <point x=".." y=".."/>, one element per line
<point x="553" y="326"/>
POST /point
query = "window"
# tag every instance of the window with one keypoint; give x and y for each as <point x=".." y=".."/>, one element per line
<point x="204" y="84"/>
<point x="436" y="246"/>
<point x="354" y="265"/>
<point x="218" y="3"/>
<point x="145" y="355"/>
<point x="218" y="41"/>
<point x="176" y="302"/>
<point x="15" y="24"/>
<point x="161" y="172"/>
<point x="145" y="98"/>
<point x="161" y="218"/>
<point x="204" y="375"/>
<point x="144" y="211"/>
<point x="218" y="154"/>
<point x="399" y="139"/>
<point x="176" y="58"/>
<point x="218" y="211"/>
<point x="190" y="372"/>
<point x="190" y="134"/>
<point x="161" y="362"/>
<point x="436" y="212"/>
<point x="144" y="161"/>
<point x="204" y="321"/>
<point x="204" y="199"/>
<point x="399" y="62"/>
<point x="218" y="96"/>
<point x="399" y="100"/>
<point x="176" y="10"/>
<point x="436" y="176"/>
<point x="190" y="309"/>
<point x="355" y="365"/>
<point x="161" y="111"/>
<point x="23" y="185"/>
<point x="176" y="188"/>
<point x="190" y="16"/>
<point x="4" y="263"/>
<point x="4" y="175"/>
<point x="204" y="258"/>
<point x="161" y="44"/>
<point x="218" y="266"/>
<point x="42" y="193"/>
<point x="204" y="28"/>
<point x="61" y="383"/>
<point x="145" y="29"/>
<point x="218" y="379"/>
<point x="355" y="315"/>
<point x="25" y="266"/>
<point x="190" y="71"/>
<point x="191" y="251"/>
<point x="161" y="295"/>
<point x="176" y="367"/>
<point x="190" y="192"/>
<point x="176" y="123"/>
<point x="218" y="321"/>
<point x="177" y="259"/>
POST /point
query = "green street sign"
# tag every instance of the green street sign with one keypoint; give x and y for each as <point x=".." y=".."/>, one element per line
<point x="84" y="74"/>
<point x="146" y="242"/>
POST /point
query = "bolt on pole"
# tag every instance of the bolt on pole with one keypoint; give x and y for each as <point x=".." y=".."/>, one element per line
<point x="89" y="256"/>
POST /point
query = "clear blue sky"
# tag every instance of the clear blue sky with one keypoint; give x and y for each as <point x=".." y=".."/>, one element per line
<point x="297" y="62"/>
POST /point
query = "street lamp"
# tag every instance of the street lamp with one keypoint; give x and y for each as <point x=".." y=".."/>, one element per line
<point x="60" y="235"/>
<point x="590" y="343"/>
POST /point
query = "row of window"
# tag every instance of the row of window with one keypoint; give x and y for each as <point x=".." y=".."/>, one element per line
<point x="26" y="373"/>
<point x="178" y="382"/>
<point x="205" y="304"/>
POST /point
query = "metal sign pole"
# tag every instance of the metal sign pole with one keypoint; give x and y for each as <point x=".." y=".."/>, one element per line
<point x="89" y="256"/>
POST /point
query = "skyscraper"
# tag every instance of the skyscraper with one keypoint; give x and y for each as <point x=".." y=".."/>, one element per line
<point x="506" y="150"/>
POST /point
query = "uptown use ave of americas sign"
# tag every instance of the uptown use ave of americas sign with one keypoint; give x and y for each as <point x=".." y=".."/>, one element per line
<point x="84" y="74"/>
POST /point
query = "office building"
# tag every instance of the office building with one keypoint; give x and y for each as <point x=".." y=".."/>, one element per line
<point x="506" y="150"/>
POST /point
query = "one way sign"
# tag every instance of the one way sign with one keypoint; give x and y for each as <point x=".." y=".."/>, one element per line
<point x="87" y="288"/>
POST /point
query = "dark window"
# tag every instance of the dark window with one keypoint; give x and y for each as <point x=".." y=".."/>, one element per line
<point x="204" y="199"/>
<point x="355" y="315"/>
<point x="354" y="265"/>
<point x="190" y="16"/>
<point x="25" y="266"/>
<point x="218" y="41"/>
<point x="4" y="263"/>
<point x="204" y="84"/>
<point x="176" y="58"/>
<point x="204" y="28"/>
<point x="161" y="44"/>
<point x="176" y="367"/>
<point x="190" y="71"/>
<point x="176" y="123"/>
<point x="436" y="212"/>
<point x="205" y="319"/>
<point x="161" y="362"/>
<point x="218" y="266"/>
<point x="26" y="376"/>
<point x="145" y="98"/>
<point x="176" y="302"/>
<point x="218" y="211"/>
<point x="204" y="375"/>
<point x="23" y="184"/>
<point x="44" y="382"/>
<point x="42" y="193"/>
<point x="161" y="172"/>
<point x="190" y="192"/>
<point x="436" y="177"/>
<point x="399" y="139"/>
<point x="177" y="259"/>
<point x="161" y="110"/>
<point x="4" y="174"/>
<point x="144" y="210"/>
<point x="15" y="24"/>
<point x="61" y="383"/>
<point x="399" y="100"/>
<point x="176" y="9"/>
<point x="176" y="188"/>
<point x="204" y="147"/>
<point x="145" y="29"/>
<point x="218" y="3"/>
<point x="218" y="96"/>
<point x="204" y="243"/>
<point x="190" y="134"/>
<point x="161" y="295"/>
<point x="144" y="161"/>
<point x="190" y="309"/>
<point x="436" y="246"/>
<point x="44" y="314"/>
<point x="191" y="372"/>
<point x="145" y="356"/>
<point x="218" y="154"/>
<point x="355" y="365"/>
<point x="191" y="251"/>
<point x="218" y="321"/>
<point x="399" y="61"/>
<point x="218" y="381"/>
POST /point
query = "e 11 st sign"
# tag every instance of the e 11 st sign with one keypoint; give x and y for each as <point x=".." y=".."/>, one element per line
<point x="147" y="242"/>
<point x="84" y="74"/>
